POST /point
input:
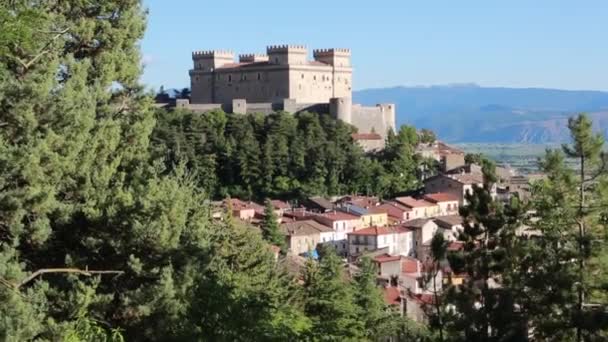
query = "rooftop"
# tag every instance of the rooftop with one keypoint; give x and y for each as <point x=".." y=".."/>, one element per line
<point x="393" y="209"/>
<point x="338" y="216"/>
<point x="391" y="296"/>
<point x="302" y="228"/>
<point x="386" y="258"/>
<point x="416" y="223"/>
<point x="375" y="231"/>
<point x="413" y="203"/>
<point x="448" y="221"/>
<point x="440" y="197"/>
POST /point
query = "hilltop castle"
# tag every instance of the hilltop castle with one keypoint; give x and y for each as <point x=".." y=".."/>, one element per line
<point x="285" y="79"/>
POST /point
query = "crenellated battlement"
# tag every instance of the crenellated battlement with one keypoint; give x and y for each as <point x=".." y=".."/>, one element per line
<point x="330" y="52"/>
<point x="212" y="53"/>
<point x="253" y="57"/>
<point x="286" y="48"/>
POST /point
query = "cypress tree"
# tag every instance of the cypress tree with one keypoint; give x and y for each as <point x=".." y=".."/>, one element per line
<point x="270" y="226"/>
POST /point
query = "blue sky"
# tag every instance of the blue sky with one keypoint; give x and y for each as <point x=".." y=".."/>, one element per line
<point x="516" y="43"/>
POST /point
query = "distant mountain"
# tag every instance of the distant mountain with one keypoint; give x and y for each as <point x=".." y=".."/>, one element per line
<point x="470" y="113"/>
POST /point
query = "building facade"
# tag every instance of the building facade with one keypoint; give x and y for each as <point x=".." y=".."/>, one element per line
<point x="285" y="79"/>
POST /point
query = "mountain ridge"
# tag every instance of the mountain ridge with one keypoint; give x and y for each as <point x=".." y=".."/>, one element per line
<point x="472" y="113"/>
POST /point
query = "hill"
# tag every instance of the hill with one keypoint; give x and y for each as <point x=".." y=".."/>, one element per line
<point x="470" y="113"/>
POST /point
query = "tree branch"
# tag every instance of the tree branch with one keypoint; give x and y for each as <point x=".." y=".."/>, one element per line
<point x="43" y="51"/>
<point x="85" y="272"/>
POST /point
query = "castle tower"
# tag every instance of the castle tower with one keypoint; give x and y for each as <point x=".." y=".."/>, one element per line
<point x="287" y="54"/>
<point x="339" y="59"/>
<point x="341" y="108"/>
<point x="202" y="75"/>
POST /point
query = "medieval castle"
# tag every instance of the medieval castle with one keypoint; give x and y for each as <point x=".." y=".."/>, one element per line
<point x="285" y="79"/>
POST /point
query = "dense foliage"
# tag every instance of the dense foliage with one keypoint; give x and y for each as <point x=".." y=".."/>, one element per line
<point x="99" y="240"/>
<point x="283" y="155"/>
<point x="536" y="270"/>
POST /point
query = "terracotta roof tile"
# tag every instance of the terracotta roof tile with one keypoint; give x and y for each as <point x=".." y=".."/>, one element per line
<point x="339" y="216"/>
<point x="392" y="296"/>
<point x="440" y="197"/>
<point x="409" y="266"/>
<point x="413" y="203"/>
<point x="375" y="231"/>
<point x="386" y="258"/>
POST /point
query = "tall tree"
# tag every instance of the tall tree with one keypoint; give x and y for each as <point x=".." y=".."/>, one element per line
<point x="485" y="304"/>
<point x="329" y="301"/>
<point x="270" y="226"/>
<point x="568" y="205"/>
<point x="373" y="311"/>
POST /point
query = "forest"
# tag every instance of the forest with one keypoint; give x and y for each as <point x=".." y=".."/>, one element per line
<point x="282" y="155"/>
<point x="105" y="232"/>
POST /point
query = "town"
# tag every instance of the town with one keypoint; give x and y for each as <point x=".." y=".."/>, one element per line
<point x="325" y="190"/>
<point x="395" y="233"/>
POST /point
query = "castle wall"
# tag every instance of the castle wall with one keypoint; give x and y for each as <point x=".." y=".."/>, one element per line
<point x="284" y="73"/>
<point x="377" y="119"/>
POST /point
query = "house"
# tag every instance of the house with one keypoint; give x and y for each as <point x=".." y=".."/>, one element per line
<point x="361" y="201"/>
<point x="318" y="204"/>
<point x="341" y="223"/>
<point x="396" y="212"/>
<point x="369" y="217"/>
<point x="447" y="203"/>
<point x="244" y="210"/>
<point x="458" y="185"/>
<point x="399" y="240"/>
<point x="419" y="208"/>
<point x="280" y="207"/>
<point x="424" y="229"/>
<point x="452" y="225"/>
<point x="414" y="277"/>
<point x="388" y="265"/>
<point x="392" y="298"/>
<point x="417" y="306"/>
<point x="304" y="236"/>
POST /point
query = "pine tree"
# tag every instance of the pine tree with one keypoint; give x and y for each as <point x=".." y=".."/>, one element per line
<point x="270" y="227"/>
<point x="329" y="300"/>
<point x="569" y="212"/>
<point x="373" y="312"/>
<point x="485" y="305"/>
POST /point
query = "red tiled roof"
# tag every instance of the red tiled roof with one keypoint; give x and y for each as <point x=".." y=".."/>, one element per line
<point x="377" y="210"/>
<point x="409" y="265"/>
<point x="423" y="298"/>
<point x="469" y="178"/>
<point x="278" y="204"/>
<point x="339" y="216"/>
<point x="413" y="203"/>
<point x="386" y="258"/>
<point x="366" y="136"/>
<point x="375" y="231"/>
<point x="392" y="296"/>
<point x="394" y="209"/>
<point x="440" y="197"/>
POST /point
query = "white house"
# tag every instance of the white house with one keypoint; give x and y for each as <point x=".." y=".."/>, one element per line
<point x="419" y="208"/>
<point x="398" y="240"/>
<point x="447" y="203"/>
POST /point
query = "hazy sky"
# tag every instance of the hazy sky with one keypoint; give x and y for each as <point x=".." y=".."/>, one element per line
<point x="520" y="43"/>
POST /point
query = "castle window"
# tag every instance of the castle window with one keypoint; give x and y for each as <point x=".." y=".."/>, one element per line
<point x="277" y="93"/>
<point x="276" y="60"/>
<point x="229" y="78"/>
<point x="314" y="77"/>
<point x="302" y="76"/>
<point x="196" y="78"/>
<point x="259" y="76"/>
